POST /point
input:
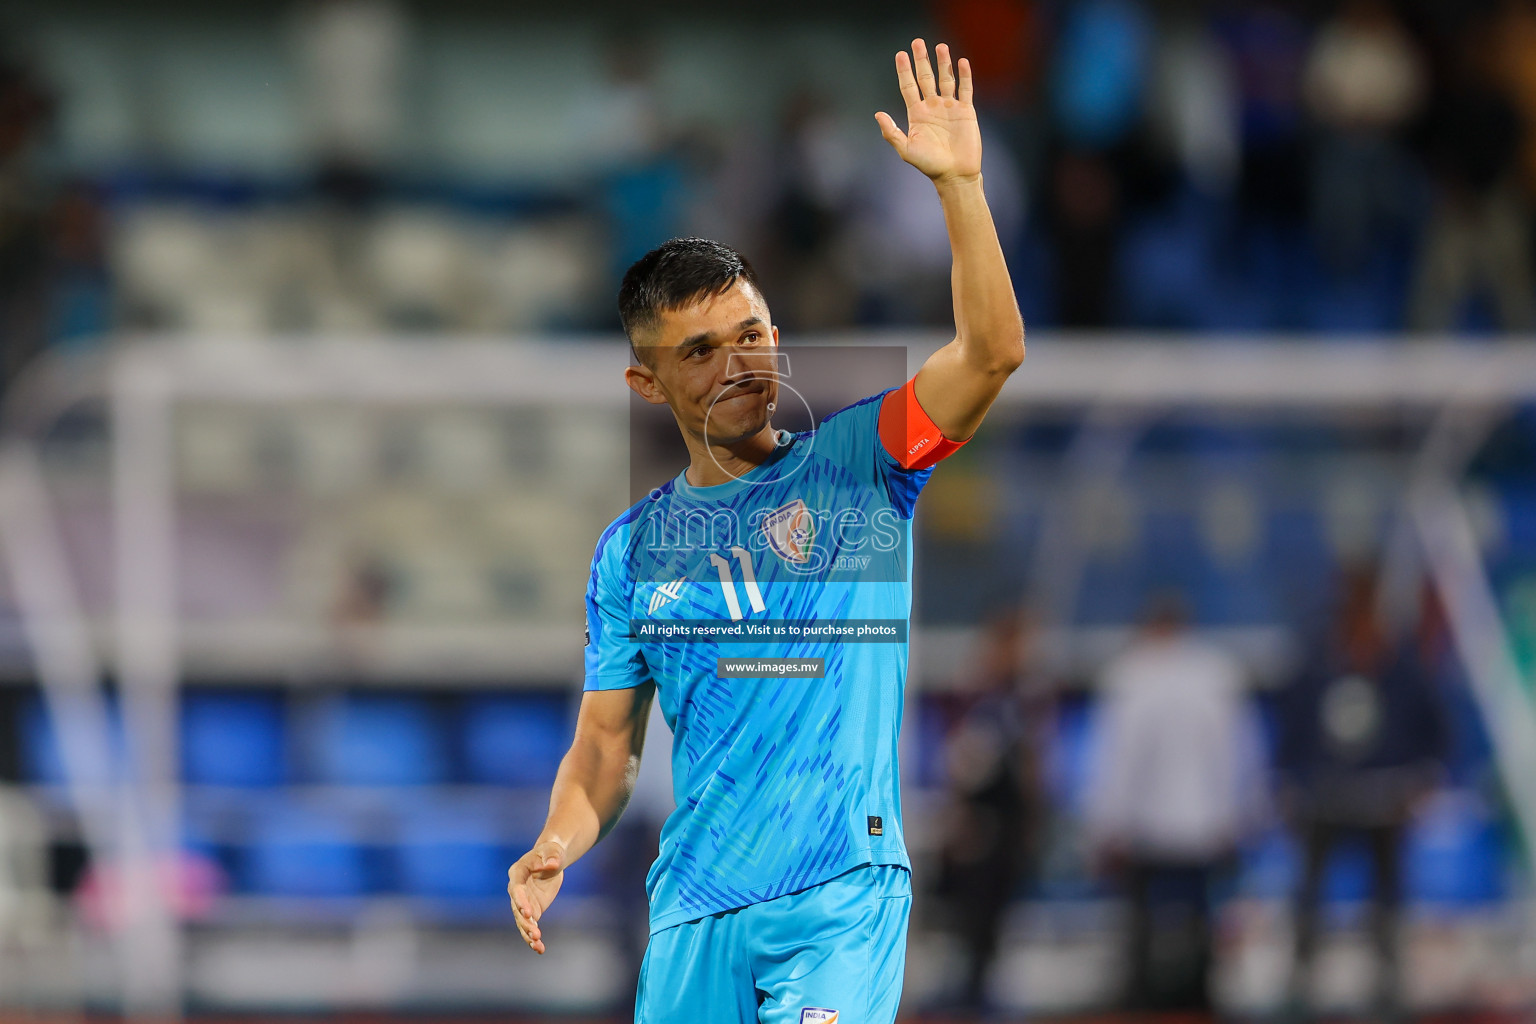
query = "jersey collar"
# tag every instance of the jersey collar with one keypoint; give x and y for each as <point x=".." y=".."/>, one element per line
<point x="783" y="441"/>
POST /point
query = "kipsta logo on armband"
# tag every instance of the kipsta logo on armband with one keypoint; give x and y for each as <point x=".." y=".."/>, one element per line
<point x="791" y="529"/>
<point x="816" y="1015"/>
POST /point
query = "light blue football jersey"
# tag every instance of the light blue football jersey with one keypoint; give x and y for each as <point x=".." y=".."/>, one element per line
<point x="781" y="783"/>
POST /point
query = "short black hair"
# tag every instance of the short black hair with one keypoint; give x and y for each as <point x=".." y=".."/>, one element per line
<point x="675" y="274"/>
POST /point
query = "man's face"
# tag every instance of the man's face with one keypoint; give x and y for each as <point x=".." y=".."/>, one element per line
<point x="715" y="363"/>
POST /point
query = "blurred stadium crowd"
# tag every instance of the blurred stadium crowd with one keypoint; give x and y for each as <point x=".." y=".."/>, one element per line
<point x="1259" y="759"/>
<point x="1243" y="166"/>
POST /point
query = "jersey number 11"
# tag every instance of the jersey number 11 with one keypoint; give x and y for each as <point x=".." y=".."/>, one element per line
<point x="748" y="580"/>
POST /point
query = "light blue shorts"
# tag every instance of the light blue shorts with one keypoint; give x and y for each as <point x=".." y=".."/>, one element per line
<point x="834" y="952"/>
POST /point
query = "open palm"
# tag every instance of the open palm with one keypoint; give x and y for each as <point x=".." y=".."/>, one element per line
<point x="942" y="138"/>
<point x="532" y="883"/>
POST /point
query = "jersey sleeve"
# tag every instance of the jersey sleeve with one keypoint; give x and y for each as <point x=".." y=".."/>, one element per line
<point x="888" y="441"/>
<point x="613" y="660"/>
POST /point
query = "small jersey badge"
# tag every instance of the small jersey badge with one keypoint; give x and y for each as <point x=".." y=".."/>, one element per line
<point x="791" y="530"/>
<point x="816" y="1015"/>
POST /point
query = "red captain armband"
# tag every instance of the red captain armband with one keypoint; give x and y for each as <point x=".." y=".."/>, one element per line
<point x="908" y="434"/>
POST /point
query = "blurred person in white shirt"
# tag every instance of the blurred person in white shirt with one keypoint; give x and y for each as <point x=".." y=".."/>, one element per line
<point x="1177" y="785"/>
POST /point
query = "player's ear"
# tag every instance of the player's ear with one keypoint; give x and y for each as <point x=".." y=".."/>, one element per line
<point x="642" y="381"/>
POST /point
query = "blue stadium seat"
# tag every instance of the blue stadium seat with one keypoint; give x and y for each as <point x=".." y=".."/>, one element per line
<point x="1455" y="855"/>
<point x="1297" y="536"/>
<point x="300" y="851"/>
<point x="1112" y="591"/>
<point x="1234" y="306"/>
<point x="378" y="740"/>
<point x="1299" y="562"/>
<point x="42" y="758"/>
<point x="458" y="851"/>
<point x="1270" y="867"/>
<point x="1350" y="308"/>
<point x="1219" y="593"/>
<point x="1239" y="595"/>
<point x="1477" y="316"/>
<point x="453" y="850"/>
<point x="515" y="739"/>
<point x="1519" y="506"/>
<point x="1271" y="264"/>
<point x="1166" y="267"/>
<point x="1369" y="299"/>
<point x="1349" y="876"/>
<point x="582" y="879"/>
<point x="1224" y="446"/>
<point x="1471" y="757"/>
<point x="1172" y="543"/>
<point x="1266" y="708"/>
<point x="1071" y="755"/>
<point x="926" y="767"/>
<point x="1032" y="265"/>
<point x="233" y="739"/>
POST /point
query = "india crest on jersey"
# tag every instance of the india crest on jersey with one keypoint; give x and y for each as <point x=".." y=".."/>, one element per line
<point x="791" y="531"/>
<point x="817" y="1015"/>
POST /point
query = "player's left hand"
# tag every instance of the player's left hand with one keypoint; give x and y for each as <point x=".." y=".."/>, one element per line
<point x="942" y="138"/>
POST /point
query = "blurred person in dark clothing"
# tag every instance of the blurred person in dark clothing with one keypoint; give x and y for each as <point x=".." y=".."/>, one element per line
<point x="1098" y="81"/>
<point x="1267" y="44"/>
<point x="82" y="281"/>
<point x="1362" y="740"/>
<point x="26" y="215"/>
<point x="1363" y="82"/>
<point x="1177" y="786"/>
<point x="1085" y="221"/>
<point x="816" y="170"/>
<point x="992" y="760"/>
<point x="1478" y="236"/>
<point x="1515" y="37"/>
